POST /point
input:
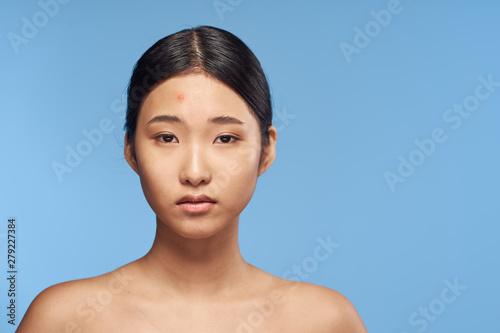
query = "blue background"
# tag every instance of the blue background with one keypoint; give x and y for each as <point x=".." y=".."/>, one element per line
<point x="344" y="121"/>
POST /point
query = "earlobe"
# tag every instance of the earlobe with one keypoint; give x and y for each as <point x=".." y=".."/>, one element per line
<point x="269" y="152"/>
<point x="130" y="155"/>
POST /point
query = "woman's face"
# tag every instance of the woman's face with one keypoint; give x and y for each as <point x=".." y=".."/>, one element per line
<point x="197" y="152"/>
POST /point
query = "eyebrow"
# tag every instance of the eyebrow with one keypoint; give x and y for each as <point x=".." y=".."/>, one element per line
<point x="164" y="118"/>
<point x="225" y="120"/>
<point x="215" y="120"/>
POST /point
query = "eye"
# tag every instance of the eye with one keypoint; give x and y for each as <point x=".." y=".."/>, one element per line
<point x="167" y="138"/>
<point x="225" y="139"/>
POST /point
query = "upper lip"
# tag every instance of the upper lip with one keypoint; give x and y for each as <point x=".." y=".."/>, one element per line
<point x="195" y="198"/>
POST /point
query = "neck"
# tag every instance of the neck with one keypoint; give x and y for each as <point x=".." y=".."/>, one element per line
<point x="206" y="266"/>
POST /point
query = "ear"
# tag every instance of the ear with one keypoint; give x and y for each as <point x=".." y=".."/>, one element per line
<point x="269" y="151"/>
<point x="130" y="155"/>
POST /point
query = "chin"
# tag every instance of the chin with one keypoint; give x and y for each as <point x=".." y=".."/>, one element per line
<point x="197" y="227"/>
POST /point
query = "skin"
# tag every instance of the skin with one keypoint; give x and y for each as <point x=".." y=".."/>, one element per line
<point x="194" y="278"/>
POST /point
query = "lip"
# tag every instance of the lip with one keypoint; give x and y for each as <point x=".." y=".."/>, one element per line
<point x="195" y="203"/>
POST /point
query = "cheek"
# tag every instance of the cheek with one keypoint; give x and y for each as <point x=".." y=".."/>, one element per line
<point x="236" y="177"/>
<point x="156" y="178"/>
<point x="233" y="188"/>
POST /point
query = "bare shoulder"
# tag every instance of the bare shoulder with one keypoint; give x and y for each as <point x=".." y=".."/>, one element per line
<point x="52" y="309"/>
<point x="67" y="306"/>
<point x="326" y="310"/>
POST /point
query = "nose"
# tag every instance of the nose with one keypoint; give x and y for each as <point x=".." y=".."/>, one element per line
<point x="194" y="169"/>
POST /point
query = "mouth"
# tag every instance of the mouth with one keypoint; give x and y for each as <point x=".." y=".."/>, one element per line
<point x="195" y="203"/>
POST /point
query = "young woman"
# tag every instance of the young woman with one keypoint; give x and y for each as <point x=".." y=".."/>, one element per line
<point x="198" y="134"/>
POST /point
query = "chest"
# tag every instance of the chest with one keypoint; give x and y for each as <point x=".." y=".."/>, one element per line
<point x="253" y="317"/>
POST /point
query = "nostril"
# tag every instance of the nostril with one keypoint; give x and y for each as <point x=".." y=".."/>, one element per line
<point x="195" y="182"/>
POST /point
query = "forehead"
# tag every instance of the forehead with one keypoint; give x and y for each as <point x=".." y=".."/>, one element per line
<point x="192" y="97"/>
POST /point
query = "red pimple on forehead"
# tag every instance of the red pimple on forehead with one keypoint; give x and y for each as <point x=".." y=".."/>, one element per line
<point x="180" y="97"/>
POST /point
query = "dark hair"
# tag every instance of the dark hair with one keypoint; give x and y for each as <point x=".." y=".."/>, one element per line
<point x="217" y="52"/>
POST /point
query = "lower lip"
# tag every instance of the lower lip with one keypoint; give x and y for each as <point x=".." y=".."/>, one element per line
<point x="196" y="207"/>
